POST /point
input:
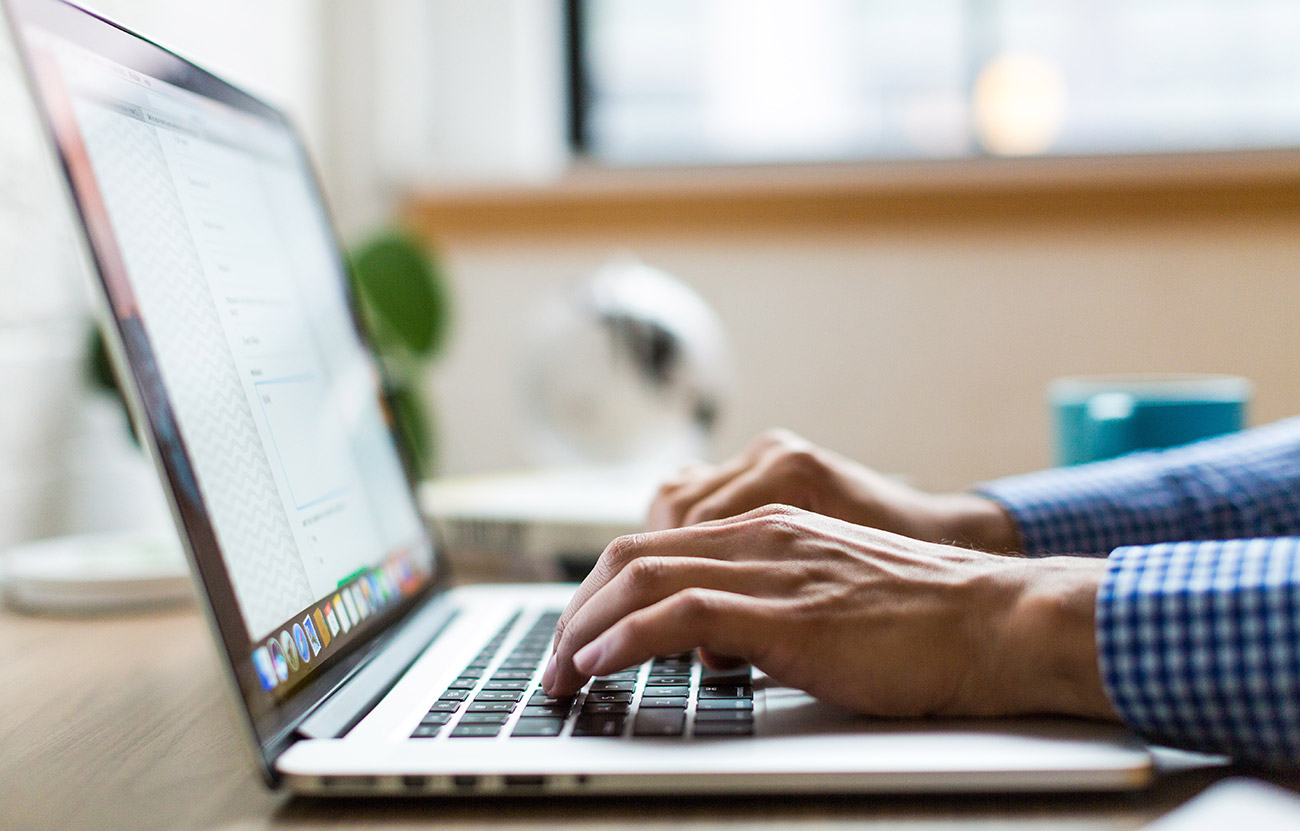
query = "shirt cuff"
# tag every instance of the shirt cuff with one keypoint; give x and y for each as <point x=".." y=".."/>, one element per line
<point x="1198" y="645"/>
<point x="1090" y="509"/>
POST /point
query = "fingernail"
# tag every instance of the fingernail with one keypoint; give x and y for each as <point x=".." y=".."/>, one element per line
<point x="548" y="675"/>
<point x="588" y="658"/>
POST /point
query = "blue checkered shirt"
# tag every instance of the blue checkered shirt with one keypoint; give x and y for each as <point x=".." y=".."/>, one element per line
<point x="1198" y="618"/>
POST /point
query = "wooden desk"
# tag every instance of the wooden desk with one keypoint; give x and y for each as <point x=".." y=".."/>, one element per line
<point x="124" y="723"/>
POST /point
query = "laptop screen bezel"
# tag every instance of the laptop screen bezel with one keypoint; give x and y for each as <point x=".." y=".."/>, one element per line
<point x="270" y="722"/>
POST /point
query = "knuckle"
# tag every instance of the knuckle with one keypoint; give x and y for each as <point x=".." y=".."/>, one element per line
<point x="564" y="644"/>
<point x="779" y="524"/>
<point x="671" y="490"/>
<point x="695" y="606"/>
<point x="776" y="437"/>
<point x="666" y="491"/>
<point x="645" y="571"/>
<point x="701" y="512"/>
<point x="774" y="513"/>
<point x="624" y="550"/>
<point x="798" y="462"/>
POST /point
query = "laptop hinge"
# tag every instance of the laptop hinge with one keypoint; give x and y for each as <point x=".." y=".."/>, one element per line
<point x="347" y="705"/>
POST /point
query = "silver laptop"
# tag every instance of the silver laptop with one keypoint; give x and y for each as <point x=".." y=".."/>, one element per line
<point x="357" y="668"/>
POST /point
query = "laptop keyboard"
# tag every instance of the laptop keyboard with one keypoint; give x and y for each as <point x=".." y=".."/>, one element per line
<point x="673" y="696"/>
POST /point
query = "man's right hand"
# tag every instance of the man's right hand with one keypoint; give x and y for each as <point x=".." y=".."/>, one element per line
<point x="870" y="621"/>
<point x="779" y="467"/>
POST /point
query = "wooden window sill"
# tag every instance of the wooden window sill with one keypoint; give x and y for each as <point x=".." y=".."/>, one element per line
<point x="593" y="201"/>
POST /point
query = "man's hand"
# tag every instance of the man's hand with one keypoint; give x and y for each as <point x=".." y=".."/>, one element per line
<point x="780" y="467"/>
<point x="868" y="620"/>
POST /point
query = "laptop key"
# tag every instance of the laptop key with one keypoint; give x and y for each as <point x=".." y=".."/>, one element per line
<point x="608" y="707"/>
<point x="426" y="731"/>
<point x="436" y="719"/>
<point x="724" y="704"/>
<point x="724" y="728"/>
<point x="723" y="715"/>
<point x="445" y="707"/>
<point x="609" y="696"/>
<point x="454" y="695"/>
<point x="725" y="691"/>
<point x="667" y="692"/>
<point x="663" y="701"/>
<point x="538" y="727"/>
<point x="485" y="718"/>
<point x="499" y="695"/>
<point x="659" y="723"/>
<point x="507" y="684"/>
<point x="540" y="697"/>
<point x="475" y="731"/>
<point x="491" y="706"/>
<point x="599" y="725"/>
<point x="709" y="676"/>
<point x="613" y="686"/>
<point x="547" y="710"/>
<point x="503" y="674"/>
<point x="670" y="671"/>
<point x="463" y="683"/>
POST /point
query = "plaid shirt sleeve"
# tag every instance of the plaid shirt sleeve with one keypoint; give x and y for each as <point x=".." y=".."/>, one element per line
<point x="1199" y="645"/>
<point x="1198" y="627"/>
<point x="1243" y="485"/>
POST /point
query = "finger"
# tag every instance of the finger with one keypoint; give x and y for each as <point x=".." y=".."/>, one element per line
<point x="717" y="662"/>
<point x="719" y="622"/>
<point x="751" y="489"/>
<point x="675" y="498"/>
<point x="645" y="582"/>
<point x="723" y="539"/>
<point x="694" y="483"/>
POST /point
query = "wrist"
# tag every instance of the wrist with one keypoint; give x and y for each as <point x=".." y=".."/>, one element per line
<point x="1045" y="653"/>
<point x="976" y="522"/>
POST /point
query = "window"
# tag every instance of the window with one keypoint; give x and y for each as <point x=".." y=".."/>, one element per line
<point x="735" y="81"/>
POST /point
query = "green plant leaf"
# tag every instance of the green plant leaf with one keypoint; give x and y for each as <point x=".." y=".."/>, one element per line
<point x="99" y="368"/>
<point x="403" y="293"/>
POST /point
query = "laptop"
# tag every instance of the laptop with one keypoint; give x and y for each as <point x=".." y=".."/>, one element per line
<point x="356" y="666"/>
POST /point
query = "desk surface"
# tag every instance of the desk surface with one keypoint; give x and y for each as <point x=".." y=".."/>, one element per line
<point x="124" y="723"/>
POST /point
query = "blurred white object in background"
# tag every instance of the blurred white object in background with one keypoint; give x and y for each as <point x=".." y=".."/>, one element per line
<point x="630" y="367"/>
<point x="536" y="525"/>
<point x="40" y="380"/>
<point x="67" y="462"/>
<point x="89" y="573"/>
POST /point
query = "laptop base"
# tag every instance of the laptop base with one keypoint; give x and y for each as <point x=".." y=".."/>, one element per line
<point x="800" y="745"/>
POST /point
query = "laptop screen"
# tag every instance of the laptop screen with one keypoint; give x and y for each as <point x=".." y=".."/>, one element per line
<point x="229" y="293"/>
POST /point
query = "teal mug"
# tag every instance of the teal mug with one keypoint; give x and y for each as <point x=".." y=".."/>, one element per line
<point x="1103" y="417"/>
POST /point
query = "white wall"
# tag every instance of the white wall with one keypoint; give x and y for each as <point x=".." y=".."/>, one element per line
<point x="922" y="351"/>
